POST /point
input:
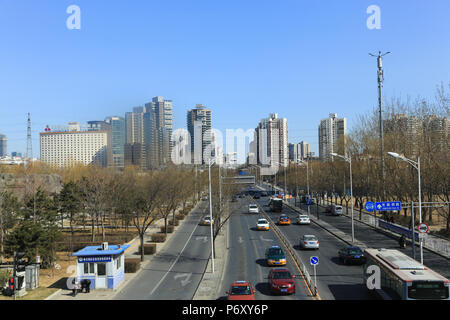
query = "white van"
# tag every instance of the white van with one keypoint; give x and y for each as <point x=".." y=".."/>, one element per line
<point x="336" y="210"/>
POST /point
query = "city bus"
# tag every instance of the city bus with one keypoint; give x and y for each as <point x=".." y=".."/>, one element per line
<point x="403" y="278"/>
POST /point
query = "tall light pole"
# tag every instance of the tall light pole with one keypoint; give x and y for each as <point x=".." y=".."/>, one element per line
<point x="349" y="160"/>
<point x="417" y="166"/>
<point x="285" y="185"/>
<point x="307" y="180"/>
<point x="211" y="161"/>
<point x="380" y="110"/>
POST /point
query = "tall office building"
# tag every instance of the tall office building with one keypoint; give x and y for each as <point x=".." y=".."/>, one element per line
<point x="200" y="130"/>
<point x="66" y="148"/>
<point x="330" y="132"/>
<point x="134" y="149"/>
<point x="3" y="149"/>
<point x="158" y="128"/>
<point x="271" y="136"/>
<point x="117" y="125"/>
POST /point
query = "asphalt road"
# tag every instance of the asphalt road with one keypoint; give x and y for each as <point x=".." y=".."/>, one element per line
<point x="335" y="281"/>
<point x="381" y="239"/>
<point x="176" y="271"/>
<point x="246" y="256"/>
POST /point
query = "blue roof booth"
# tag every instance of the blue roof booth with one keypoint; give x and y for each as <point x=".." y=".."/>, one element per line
<point x="103" y="265"/>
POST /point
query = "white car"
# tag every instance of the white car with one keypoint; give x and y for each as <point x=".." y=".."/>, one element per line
<point x="253" y="208"/>
<point x="309" y="241"/>
<point x="303" y="219"/>
<point x="262" y="224"/>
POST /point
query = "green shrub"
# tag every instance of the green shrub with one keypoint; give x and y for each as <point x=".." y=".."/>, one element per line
<point x="173" y="222"/>
<point x="169" y="229"/>
<point x="149" y="248"/>
<point x="132" y="265"/>
<point x="179" y="216"/>
<point x="4" y="277"/>
<point x="158" y="237"/>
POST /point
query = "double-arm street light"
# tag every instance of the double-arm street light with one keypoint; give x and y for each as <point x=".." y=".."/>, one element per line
<point x="349" y="160"/>
<point x="417" y="166"/>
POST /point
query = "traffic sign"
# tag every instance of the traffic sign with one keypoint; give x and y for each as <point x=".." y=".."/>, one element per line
<point x="314" y="261"/>
<point x="388" y="206"/>
<point x="423" y="228"/>
<point x="369" y="206"/>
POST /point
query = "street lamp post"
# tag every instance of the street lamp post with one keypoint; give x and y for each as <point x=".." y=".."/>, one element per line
<point x="417" y="166"/>
<point x="349" y="160"/>
<point x="307" y="180"/>
<point x="211" y="161"/>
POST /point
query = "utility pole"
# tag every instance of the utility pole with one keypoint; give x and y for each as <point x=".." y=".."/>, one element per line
<point x="29" y="140"/>
<point x="380" y="110"/>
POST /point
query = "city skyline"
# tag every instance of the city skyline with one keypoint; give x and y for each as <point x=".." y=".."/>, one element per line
<point x="82" y="75"/>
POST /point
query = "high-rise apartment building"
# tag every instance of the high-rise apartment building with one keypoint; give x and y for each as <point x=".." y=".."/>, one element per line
<point x="271" y="136"/>
<point x="331" y="130"/>
<point x="299" y="151"/>
<point x="158" y="127"/>
<point x="200" y="130"/>
<point x="134" y="138"/>
<point x="67" y="148"/>
<point x="117" y="125"/>
<point x="3" y="142"/>
<point x="305" y="150"/>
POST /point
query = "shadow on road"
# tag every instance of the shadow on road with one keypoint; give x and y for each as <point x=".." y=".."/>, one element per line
<point x="262" y="262"/>
<point x="263" y="288"/>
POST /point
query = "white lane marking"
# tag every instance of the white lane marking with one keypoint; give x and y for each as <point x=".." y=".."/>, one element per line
<point x="173" y="264"/>
<point x="187" y="276"/>
<point x="205" y="239"/>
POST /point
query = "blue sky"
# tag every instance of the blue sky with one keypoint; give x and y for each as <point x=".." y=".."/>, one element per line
<point x="242" y="58"/>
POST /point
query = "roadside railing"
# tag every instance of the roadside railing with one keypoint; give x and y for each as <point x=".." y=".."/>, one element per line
<point x="298" y="261"/>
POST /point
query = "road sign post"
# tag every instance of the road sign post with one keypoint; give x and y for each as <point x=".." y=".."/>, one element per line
<point x="314" y="262"/>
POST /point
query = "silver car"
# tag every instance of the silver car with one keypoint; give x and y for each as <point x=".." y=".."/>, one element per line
<point x="253" y="208"/>
<point x="303" y="219"/>
<point x="309" y="242"/>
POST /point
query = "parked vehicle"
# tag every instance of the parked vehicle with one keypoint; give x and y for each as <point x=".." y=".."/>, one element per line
<point x="281" y="281"/>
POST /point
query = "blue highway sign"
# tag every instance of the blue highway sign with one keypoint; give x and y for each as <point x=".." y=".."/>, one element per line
<point x="388" y="206"/>
<point x="314" y="261"/>
<point x="369" y="206"/>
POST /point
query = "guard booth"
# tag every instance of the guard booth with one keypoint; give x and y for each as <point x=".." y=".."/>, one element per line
<point x="103" y="265"/>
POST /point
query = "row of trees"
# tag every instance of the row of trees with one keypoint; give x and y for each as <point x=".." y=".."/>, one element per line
<point x="412" y="128"/>
<point x="31" y="220"/>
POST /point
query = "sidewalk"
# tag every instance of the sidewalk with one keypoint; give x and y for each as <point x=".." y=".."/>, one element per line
<point x="131" y="252"/>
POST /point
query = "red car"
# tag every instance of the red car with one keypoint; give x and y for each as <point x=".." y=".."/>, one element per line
<point x="241" y="290"/>
<point x="281" y="281"/>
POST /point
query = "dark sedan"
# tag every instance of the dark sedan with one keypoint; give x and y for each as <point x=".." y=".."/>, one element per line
<point x="351" y="255"/>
